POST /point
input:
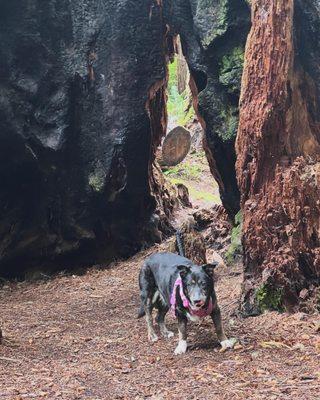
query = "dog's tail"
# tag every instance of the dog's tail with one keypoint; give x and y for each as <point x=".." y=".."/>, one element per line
<point x="180" y="243"/>
<point x="141" y="312"/>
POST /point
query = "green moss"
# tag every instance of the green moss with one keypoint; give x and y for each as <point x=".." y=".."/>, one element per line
<point x="219" y="14"/>
<point x="235" y="247"/>
<point x="230" y="73"/>
<point x="230" y="70"/>
<point x="97" y="179"/>
<point x="229" y="123"/>
<point x="269" y="298"/>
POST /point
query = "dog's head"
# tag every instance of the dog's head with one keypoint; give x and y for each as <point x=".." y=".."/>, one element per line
<point x="197" y="284"/>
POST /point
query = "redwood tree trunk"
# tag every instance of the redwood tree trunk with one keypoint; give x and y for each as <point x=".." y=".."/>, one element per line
<point x="278" y="149"/>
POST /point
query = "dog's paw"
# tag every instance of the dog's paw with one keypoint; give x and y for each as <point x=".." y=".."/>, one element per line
<point x="167" y="334"/>
<point x="228" y="344"/>
<point x="170" y="334"/>
<point x="181" y="348"/>
<point x="153" y="337"/>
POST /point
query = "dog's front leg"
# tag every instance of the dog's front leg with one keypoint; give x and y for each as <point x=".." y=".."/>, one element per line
<point x="217" y="321"/>
<point x="182" y="327"/>
<point x="160" y="319"/>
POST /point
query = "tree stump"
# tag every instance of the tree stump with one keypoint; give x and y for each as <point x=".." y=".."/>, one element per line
<point x="193" y="243"/>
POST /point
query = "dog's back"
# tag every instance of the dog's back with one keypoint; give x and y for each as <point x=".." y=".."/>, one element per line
<point x="159" y="273"/>
<point x="165" y="264"/>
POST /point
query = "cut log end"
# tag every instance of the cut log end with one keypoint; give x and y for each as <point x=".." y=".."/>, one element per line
<point x="176" y="146"/>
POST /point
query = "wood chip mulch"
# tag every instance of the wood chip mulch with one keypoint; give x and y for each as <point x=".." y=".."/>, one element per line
<point x="77" y="337"/>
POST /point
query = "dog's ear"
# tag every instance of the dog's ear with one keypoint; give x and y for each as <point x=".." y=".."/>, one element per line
<point x="208" y="268"/>
<point x="184" y="270"/>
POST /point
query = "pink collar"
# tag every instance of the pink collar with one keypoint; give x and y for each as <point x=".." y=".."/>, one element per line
<point x="201" y="313"/>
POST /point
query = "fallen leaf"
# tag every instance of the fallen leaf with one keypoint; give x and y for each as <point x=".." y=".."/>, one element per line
<point x="274" y="345"/>
<point x="305" y="337"/>
<point x="299" y="346"/>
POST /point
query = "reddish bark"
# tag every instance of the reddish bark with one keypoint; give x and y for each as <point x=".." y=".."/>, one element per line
<point x="278" y="149"/>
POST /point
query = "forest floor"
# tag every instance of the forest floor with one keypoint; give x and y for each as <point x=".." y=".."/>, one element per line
<point x="195" y="174"/>
<point x="77" y="337"/>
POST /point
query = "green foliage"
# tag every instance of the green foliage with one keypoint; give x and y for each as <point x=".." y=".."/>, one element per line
<point x="186" y="170"/>
<point x="238" y="218"/>
<point x="196" y="194"/>
<point x="230" y="123"/>
<point x="230" y="71"/>
<point x="219" y="12"/>
<point x="269" y="298"/>
<point x="191" y="173"/>
<point x="178" y="104"/>
<point x="235" y="247"/>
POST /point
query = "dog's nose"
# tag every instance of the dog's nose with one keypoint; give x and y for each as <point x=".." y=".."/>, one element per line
<point x="199" y="302"/>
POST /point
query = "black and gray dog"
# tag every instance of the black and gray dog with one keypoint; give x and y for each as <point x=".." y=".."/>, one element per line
<point x="167" y="281"/>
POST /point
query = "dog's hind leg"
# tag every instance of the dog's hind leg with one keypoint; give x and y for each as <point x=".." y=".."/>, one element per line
<point x="147" y="291"/>
<point x="152" y="336"/>
<point x="162" y="311"/>
<point x="182" y="345"/>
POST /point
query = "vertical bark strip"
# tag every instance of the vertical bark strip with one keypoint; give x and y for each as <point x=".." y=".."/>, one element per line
<point x="278" y="148"/>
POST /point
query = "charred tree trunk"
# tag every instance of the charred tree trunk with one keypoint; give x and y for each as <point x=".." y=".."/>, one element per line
<point x="278" y="150"/>
<point x="80" y="86"/>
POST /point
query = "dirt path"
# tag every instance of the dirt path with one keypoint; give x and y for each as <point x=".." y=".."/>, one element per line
<point x="77" y="337"/>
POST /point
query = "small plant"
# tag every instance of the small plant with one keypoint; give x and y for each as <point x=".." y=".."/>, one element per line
<point x="192" y="172"/>
<point x="269" y="298"/>
<point x="235" y="247"/>
<point x="186" y="170"/>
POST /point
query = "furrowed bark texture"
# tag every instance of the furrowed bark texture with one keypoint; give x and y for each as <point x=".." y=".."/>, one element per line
<point x="278" y="149"/>
<point x="81" y="101"/>
<point x="213" y="35"/>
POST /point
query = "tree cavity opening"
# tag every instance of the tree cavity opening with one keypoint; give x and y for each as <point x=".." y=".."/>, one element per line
<point x="183" y="161"/>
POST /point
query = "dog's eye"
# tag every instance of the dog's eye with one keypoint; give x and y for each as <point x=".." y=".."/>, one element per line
<point x="193" y="282"/>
